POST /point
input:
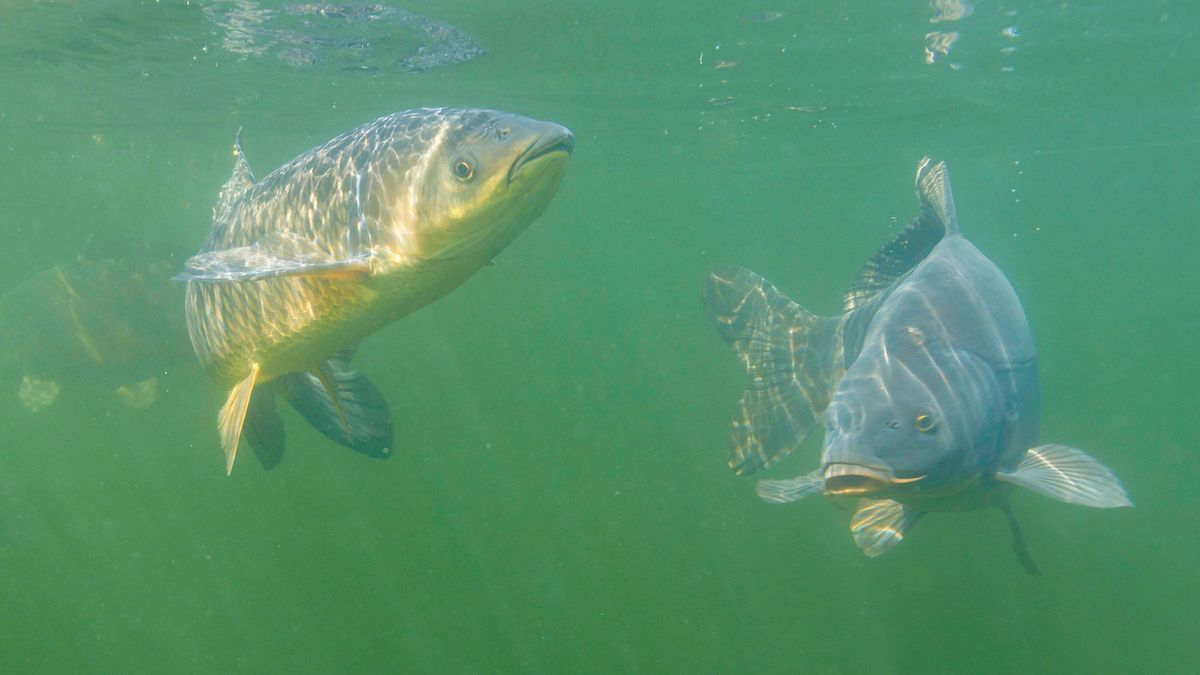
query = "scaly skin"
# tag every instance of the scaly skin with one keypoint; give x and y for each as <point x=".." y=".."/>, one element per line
<point x="386" y="189"/>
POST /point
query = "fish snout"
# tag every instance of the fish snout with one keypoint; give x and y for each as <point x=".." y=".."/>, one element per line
<point x="856" y="479"/>
<point x="548" y="139"/>
<point x="845" y="478"/>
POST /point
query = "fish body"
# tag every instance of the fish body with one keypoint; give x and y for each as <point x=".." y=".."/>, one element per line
<point x="948" y="344"/>
<point x="109" y="320"/>
<point x="351" y="236"/>
<point x="926" y="385"/>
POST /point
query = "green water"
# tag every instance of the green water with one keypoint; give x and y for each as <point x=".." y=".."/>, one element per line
<point x="560" y="501"/>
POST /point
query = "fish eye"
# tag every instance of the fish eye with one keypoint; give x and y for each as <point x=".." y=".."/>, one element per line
<point x="926" y="423"/>
<point x="463" y="169"/>
<point x="503" y="132"/>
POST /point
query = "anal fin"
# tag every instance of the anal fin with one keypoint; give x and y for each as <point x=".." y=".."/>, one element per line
<point x="233" y="415"/>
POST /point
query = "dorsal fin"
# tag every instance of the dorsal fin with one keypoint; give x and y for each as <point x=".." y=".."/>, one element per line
<point x="895" y="258"/>
<point x="237" y="185"/>
<point x="933" y="190"/>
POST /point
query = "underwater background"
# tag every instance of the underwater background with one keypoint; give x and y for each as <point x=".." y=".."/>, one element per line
<point x="559" y="500"/>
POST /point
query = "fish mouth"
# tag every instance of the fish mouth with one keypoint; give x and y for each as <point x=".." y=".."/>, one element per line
<point x="555" y="140"/>
<point x="859" y="479"/>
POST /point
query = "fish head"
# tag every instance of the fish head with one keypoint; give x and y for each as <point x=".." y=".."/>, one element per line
<point x="480" y="178"/>
<point x="911" y="422"/>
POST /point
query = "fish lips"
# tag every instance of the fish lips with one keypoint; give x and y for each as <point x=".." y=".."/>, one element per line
<point x="553" y="139"/>
<point x="844" y="478"/>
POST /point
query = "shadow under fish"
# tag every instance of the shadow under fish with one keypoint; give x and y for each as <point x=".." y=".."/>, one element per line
<point x="926" y="385"/>
<point x="343" y="240"/>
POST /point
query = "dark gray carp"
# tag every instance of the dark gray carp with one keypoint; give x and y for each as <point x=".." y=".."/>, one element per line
<point x="927" y="386"/>
<point x="345" y="239"/>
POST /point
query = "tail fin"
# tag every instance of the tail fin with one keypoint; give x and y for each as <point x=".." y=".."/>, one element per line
<point x="787" y="353"/>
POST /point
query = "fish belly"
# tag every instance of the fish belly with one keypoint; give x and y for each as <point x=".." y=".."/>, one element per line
<point x="292" y="324"/>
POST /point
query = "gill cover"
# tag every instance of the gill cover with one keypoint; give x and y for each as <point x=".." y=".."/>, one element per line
<point x="484" y="178"/>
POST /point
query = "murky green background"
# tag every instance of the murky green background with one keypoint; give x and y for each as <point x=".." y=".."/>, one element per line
<point x="561" y="502"/>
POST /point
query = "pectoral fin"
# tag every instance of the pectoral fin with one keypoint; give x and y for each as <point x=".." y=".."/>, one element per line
<point x="276" y="255"/>
<point x="880" y="524"/>
<point x="783" y="491"/>
<point x="1068" y="475"/>
<point x="343" y="405"/>
<point x="233" y="415"/>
